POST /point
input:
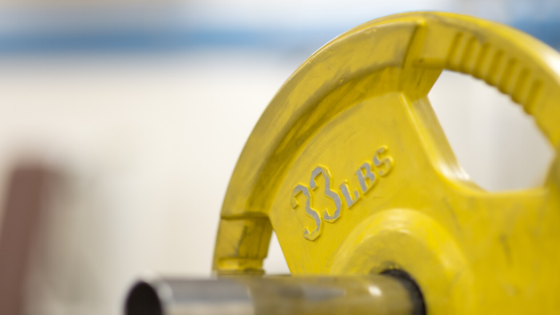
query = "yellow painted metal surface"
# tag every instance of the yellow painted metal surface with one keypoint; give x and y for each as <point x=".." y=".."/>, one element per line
<point x="350" y="167"/>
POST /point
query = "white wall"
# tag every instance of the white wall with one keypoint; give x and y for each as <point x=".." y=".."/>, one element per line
<point x="146" y="145"/>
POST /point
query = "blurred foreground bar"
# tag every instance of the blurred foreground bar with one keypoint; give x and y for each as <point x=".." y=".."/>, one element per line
<point x="25" y="204"/>
<point x="373" y="295"/>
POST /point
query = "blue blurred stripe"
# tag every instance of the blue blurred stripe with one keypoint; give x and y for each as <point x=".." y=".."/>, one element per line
<point x="141" y="40"/>
<point x="56" y="34"/>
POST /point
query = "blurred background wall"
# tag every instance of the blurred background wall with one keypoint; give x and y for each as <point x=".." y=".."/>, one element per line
<point x="141" y="108"/>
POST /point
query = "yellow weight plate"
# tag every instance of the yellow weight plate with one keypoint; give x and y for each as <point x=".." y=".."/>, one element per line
<point x="351" y="168"/>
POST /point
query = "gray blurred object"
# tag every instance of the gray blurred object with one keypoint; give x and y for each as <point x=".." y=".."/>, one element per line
<point x="254" y="295"/>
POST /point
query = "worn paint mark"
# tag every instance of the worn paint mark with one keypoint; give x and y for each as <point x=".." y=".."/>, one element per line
<point x="506" y="248"/>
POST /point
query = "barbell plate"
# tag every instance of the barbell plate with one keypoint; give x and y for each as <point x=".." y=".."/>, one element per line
<point x="350" y="167"/>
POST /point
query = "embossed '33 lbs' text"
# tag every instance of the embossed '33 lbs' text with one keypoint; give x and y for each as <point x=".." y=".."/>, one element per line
<point x="367" y="178"/>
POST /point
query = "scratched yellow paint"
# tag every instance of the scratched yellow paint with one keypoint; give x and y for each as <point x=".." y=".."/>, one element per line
<point x="356" y="115"/>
